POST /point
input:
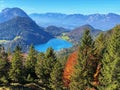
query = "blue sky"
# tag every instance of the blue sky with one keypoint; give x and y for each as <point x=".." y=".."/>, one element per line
<point x="64" y="6"/>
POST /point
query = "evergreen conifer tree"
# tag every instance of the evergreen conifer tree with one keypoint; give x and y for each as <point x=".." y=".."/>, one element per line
<point x="84" y="71"/>
<point x="30" y="64"/>
<point x="4" y="66"/>
<point x="110" y="73"/>
<point x="56" y="81"/>
<point x="16" y="71"/>
<point x="45" y="67"/>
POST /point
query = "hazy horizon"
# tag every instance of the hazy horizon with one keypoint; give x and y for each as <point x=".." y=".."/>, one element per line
<point x="85" y="7"/>
<point x="61" y="12"/>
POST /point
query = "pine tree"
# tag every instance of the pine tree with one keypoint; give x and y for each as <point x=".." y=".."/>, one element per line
<point x="39" y="68"/>
<point x="83" y="72"/>
<point x="99" y="50"/>
<point x="4" y="66"/>
<point x="51" y="54"/>
<point x="17" y="68"/>
<point x="30" y="63"/>
<point x="110" y="73"/>
<point x="45" y="67"/>
<point x="56" y="81"/>
<point x="100" y="45"/>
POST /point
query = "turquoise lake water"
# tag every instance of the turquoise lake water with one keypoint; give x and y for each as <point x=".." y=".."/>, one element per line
<point x="56" y="44"/>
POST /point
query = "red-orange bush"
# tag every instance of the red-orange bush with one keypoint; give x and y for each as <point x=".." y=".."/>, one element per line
<point x="72" y="59"/>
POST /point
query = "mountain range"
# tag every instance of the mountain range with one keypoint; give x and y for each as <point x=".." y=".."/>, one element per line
<point x="99" y="21"/>
<point x="16" y="27"/>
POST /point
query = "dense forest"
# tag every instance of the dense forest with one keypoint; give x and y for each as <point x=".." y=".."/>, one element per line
<point x="96" y="66"/>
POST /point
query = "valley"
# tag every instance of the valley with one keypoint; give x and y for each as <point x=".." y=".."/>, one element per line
<point x="18" y="28"/>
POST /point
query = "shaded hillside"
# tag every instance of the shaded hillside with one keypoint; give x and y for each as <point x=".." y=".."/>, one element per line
<point x="55" y="31"/>
<point x="76" y="34"/>
<point x="21" y="30"/>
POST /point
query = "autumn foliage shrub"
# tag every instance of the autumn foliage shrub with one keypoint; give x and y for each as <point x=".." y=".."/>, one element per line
<point x="69" y="68"/>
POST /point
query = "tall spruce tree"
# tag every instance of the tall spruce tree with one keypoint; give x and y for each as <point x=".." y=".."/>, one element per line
<point x="110" y="73"/>
<point x="83" y="71"/>
<point x="100" y="46"/>
<point x="39" y="68"/>
<point x="30" y="64"/>
<point x="56" y="81"/>
<point x="45" y="67"/>
<point x="17" y="68"/>
<point x="4" y="66"/>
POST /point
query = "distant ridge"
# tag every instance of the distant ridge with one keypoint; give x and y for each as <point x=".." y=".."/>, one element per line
<point x="99" y="21"/>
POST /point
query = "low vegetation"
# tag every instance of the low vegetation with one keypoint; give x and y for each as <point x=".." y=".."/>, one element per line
<point x="65" y="37"/>
<point x="3" y="41"/>
<point x="17" y="37"/>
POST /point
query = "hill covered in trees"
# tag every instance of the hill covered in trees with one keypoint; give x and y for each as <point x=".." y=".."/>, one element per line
<point x="22" y="31"/>
<point x="56" y="31"/>
<point x="76" y="34"/>
<point x="16" y="27"/>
